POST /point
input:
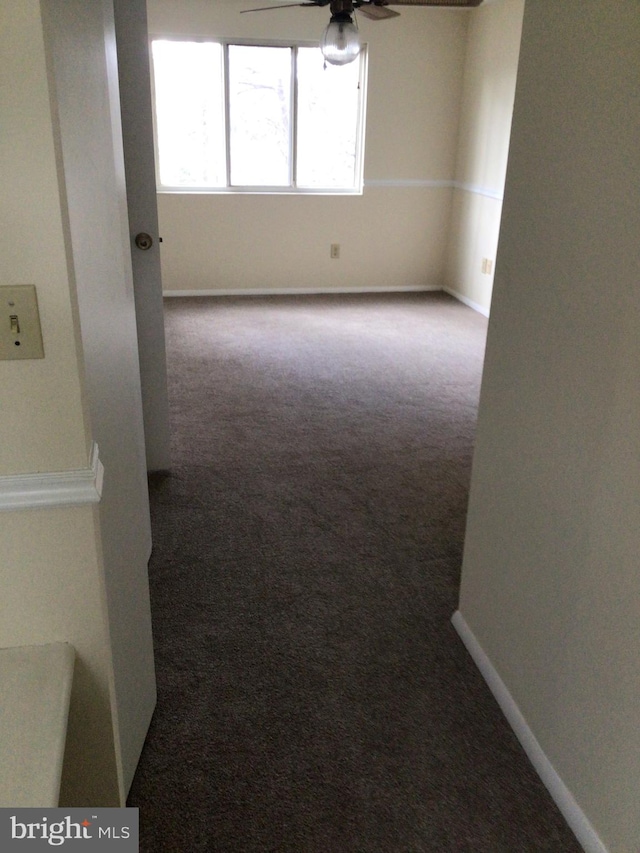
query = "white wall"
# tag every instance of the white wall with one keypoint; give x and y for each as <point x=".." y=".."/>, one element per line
<point x="491" y="64"/>
<point x="392" y="236"/>
<point x="550" y="584"/>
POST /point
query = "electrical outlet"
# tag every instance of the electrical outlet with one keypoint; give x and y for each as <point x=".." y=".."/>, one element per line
<point x="487" y="266"/>
<point x="335" y="250"/>
<point x="20" y="334"/>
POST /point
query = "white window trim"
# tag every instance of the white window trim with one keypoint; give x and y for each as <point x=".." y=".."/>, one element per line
<point x="266" y="190"/>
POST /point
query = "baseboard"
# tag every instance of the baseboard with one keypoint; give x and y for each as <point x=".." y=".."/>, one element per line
<point x="466" y="301"/>
<point x="562" y="796"/>
<point x="318" y="291"/>
<point x="299" y="291"/>
<point x="56" y="488"/>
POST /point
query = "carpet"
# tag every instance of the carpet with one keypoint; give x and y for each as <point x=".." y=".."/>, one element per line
<point x="313" y="696"/>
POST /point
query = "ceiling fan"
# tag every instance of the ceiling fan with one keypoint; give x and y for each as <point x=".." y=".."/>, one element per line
<point x="340" y="41"/>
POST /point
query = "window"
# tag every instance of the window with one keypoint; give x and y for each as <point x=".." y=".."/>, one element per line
<point x="256" y="117"/>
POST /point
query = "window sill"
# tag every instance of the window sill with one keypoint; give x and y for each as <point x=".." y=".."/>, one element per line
<point x="255" y="191"/>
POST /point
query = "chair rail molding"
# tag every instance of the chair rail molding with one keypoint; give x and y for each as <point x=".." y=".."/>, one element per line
<point x="54" y="488"/>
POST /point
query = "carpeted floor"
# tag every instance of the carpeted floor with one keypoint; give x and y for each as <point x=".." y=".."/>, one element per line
<point x="313" y="696"/>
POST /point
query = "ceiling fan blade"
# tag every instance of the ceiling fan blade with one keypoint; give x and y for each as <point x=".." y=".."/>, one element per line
<point x="377" y="13"/>
<point x="461" y="4"/>
<point x="376" y="10"/>
<point x="283" y="6"/>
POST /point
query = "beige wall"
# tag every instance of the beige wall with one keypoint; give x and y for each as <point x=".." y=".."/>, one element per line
<point x="52" y="591"/>
<point x="550" y="582"/>
<point x="42" y="417"/>
<point x="392" y="236"/>
<point x="485" y="124"/>
<point x="50" y="563"/>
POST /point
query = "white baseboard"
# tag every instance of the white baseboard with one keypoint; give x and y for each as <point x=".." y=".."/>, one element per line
<point x="56" y="488"/>
<point x="571" y="811"/>
<point x="466" y="301"/>
<point x="310" y="291"/>
<point x="299" y="291"/>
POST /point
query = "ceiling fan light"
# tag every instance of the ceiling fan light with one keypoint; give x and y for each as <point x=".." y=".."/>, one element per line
<point x="340" y="42"/>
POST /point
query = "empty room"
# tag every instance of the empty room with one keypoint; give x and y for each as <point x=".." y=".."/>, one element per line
<point x="319" y="471"/>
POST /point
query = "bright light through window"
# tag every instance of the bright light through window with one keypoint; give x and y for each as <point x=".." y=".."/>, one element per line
<point x="327" y="121"/>
<point x="277" y="120"/>
<point x="259" y="115"/>
<point x="189" y="113"/>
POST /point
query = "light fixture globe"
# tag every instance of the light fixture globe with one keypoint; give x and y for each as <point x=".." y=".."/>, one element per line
<point x="340" y="43"/>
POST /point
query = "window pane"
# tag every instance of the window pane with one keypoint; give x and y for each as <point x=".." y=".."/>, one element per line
<point x="327" y="121"/>
<point x="259" y="111"/>
<point x="189" y="113"/>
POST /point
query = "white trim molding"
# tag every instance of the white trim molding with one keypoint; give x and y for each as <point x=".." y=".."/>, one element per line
<point x="409" y="182"/>
<point x="468" y="302"/>
<point x="318" y="291"/>
<point x="446" y="184"/>
<point x="571" y="811"/>
<point x="300" y="291"/>
<point x="50" y="489"/>
<point x="478" y="190"/>
<point x="384" y="183"/>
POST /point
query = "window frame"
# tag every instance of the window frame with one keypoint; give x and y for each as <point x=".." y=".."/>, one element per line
<point x="291" y="189"/>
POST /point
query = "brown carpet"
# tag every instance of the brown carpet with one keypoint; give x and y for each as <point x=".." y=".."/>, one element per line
<point x="313" y="696"/>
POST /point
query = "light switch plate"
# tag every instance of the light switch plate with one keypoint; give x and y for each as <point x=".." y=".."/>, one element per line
<point x="20" y="333"/>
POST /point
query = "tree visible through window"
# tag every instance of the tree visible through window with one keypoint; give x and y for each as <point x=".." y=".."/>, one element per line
<point x="258" y="117"/>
